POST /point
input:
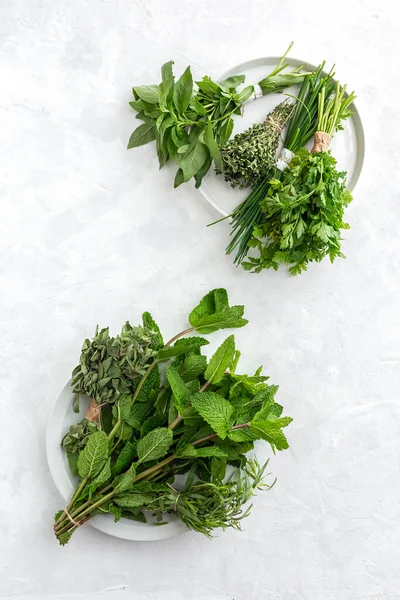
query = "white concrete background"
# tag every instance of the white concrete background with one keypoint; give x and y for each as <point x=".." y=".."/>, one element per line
<point x="91" y="233"/>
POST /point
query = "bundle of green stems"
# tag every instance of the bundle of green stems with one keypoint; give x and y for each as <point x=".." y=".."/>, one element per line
<point x="301" y="127"/>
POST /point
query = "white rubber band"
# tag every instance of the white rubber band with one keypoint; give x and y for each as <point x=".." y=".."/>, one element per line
<point x="284" y="159"/>
<point x="257" y="91"/>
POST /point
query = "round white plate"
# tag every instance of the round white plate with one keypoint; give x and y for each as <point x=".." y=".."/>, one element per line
<point x="61" y="418"/>
<point x="348" y="146"/>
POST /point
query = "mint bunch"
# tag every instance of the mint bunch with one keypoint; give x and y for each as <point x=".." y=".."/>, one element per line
<point x="192" y="416"/>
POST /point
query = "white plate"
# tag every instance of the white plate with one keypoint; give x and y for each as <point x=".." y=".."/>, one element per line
<point x="347" y="146"/>
<point x="61" y="417"/>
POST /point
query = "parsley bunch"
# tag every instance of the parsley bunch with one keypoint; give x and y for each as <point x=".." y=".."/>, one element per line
<point x="303" y="210"/>
<point x="303" y="215"/>
<point x="196" y="417"/>
<point x="301" y="127"/>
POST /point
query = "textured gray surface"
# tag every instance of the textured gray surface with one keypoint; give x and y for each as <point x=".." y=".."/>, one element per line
<point x="91" y="233"/>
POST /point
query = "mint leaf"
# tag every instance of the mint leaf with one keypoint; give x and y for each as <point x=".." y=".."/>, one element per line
<point x="242" y="435"/>
<point x="214" y="312"/>
<point x="125" y="481"/>
<point x="183" y="91"/>
<point x="211" y="451"/>
<point x="271" y="431"/>
<point x="181" y="347"/>
<point x="186" y="451"/>
<point x="94" y="455"/>
<point x="179" y="389"/>
<point x="64" y="538"/>
<point x="189" y="451"/>
<point x="155" y="444"/>
<point x="102" y="476"/>
<point x="156" y="420"/>
<point x="124" y="431"/>
<point x="142" y="135"/>
<point x="114" y="510"/>
<point x="150" y="386"/>
<point x="215" y="410"/>
<point x="150" y="323"/>
<point x="149" y="486"/>
<point x="133" y="500"/>
<point x="122" y="407"/>
<point x="221" y="360"/>
<point x="193" y="366"/>
<point x="139" y="413"/>
<point x="125" y="457"/>
<point x="73" y="462"/>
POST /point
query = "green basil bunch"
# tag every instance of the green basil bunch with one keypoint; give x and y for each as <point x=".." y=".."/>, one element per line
<point x="188" y="125"/>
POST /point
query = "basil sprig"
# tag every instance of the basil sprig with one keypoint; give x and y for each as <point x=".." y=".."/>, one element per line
<point x="188" y="125"/>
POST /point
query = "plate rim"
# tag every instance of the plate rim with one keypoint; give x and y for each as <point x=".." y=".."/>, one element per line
<point x="124" y="529"/>
<point x="296" y="62"/>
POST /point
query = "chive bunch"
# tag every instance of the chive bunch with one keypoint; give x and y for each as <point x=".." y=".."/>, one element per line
<point x="303" y="210"/>
<point x="301" y="127"/>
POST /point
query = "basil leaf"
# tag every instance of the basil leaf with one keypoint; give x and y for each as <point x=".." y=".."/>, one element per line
<point x="193" y="160"/>
<point x="245" y="94"/>
<point x="213" y="146"/>
<point x="179" y="178"/>
<point x="231" y="83"/>
<point x="142" y="135"/>
<point x="166" y="70"/>
<point x="183" y="91"/>
<point x="202" y="172"/>
<point x="148" y="93"/>
<point x="165" y="89"/>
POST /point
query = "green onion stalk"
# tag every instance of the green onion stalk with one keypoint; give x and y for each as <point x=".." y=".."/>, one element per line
<point x="278" y="81"/>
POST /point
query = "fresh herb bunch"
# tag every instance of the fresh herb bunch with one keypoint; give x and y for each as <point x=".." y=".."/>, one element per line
<point x="207" y="505"/>
<point x="220" y="101"/>
<point x="251" y="155"/>
<point x="303" y="209"/>
<point x="304" y="215"/>
<point x="188" y="127"/>
<point x="200" y="419"/>
<point x="108" y="365"/>
<point x="301" y="127"/>
<point x="191" y="123"/>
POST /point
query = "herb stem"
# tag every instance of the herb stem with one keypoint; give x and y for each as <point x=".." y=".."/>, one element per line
<point x="178" y="335"/>
<point x="175" y="422"/>
<point x="77" y="515"/>
<point x="205" y="386"/>
<point x="71" y="502"/>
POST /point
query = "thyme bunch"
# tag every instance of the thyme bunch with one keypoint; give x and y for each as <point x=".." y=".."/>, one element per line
<point x="251" y="155"/>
